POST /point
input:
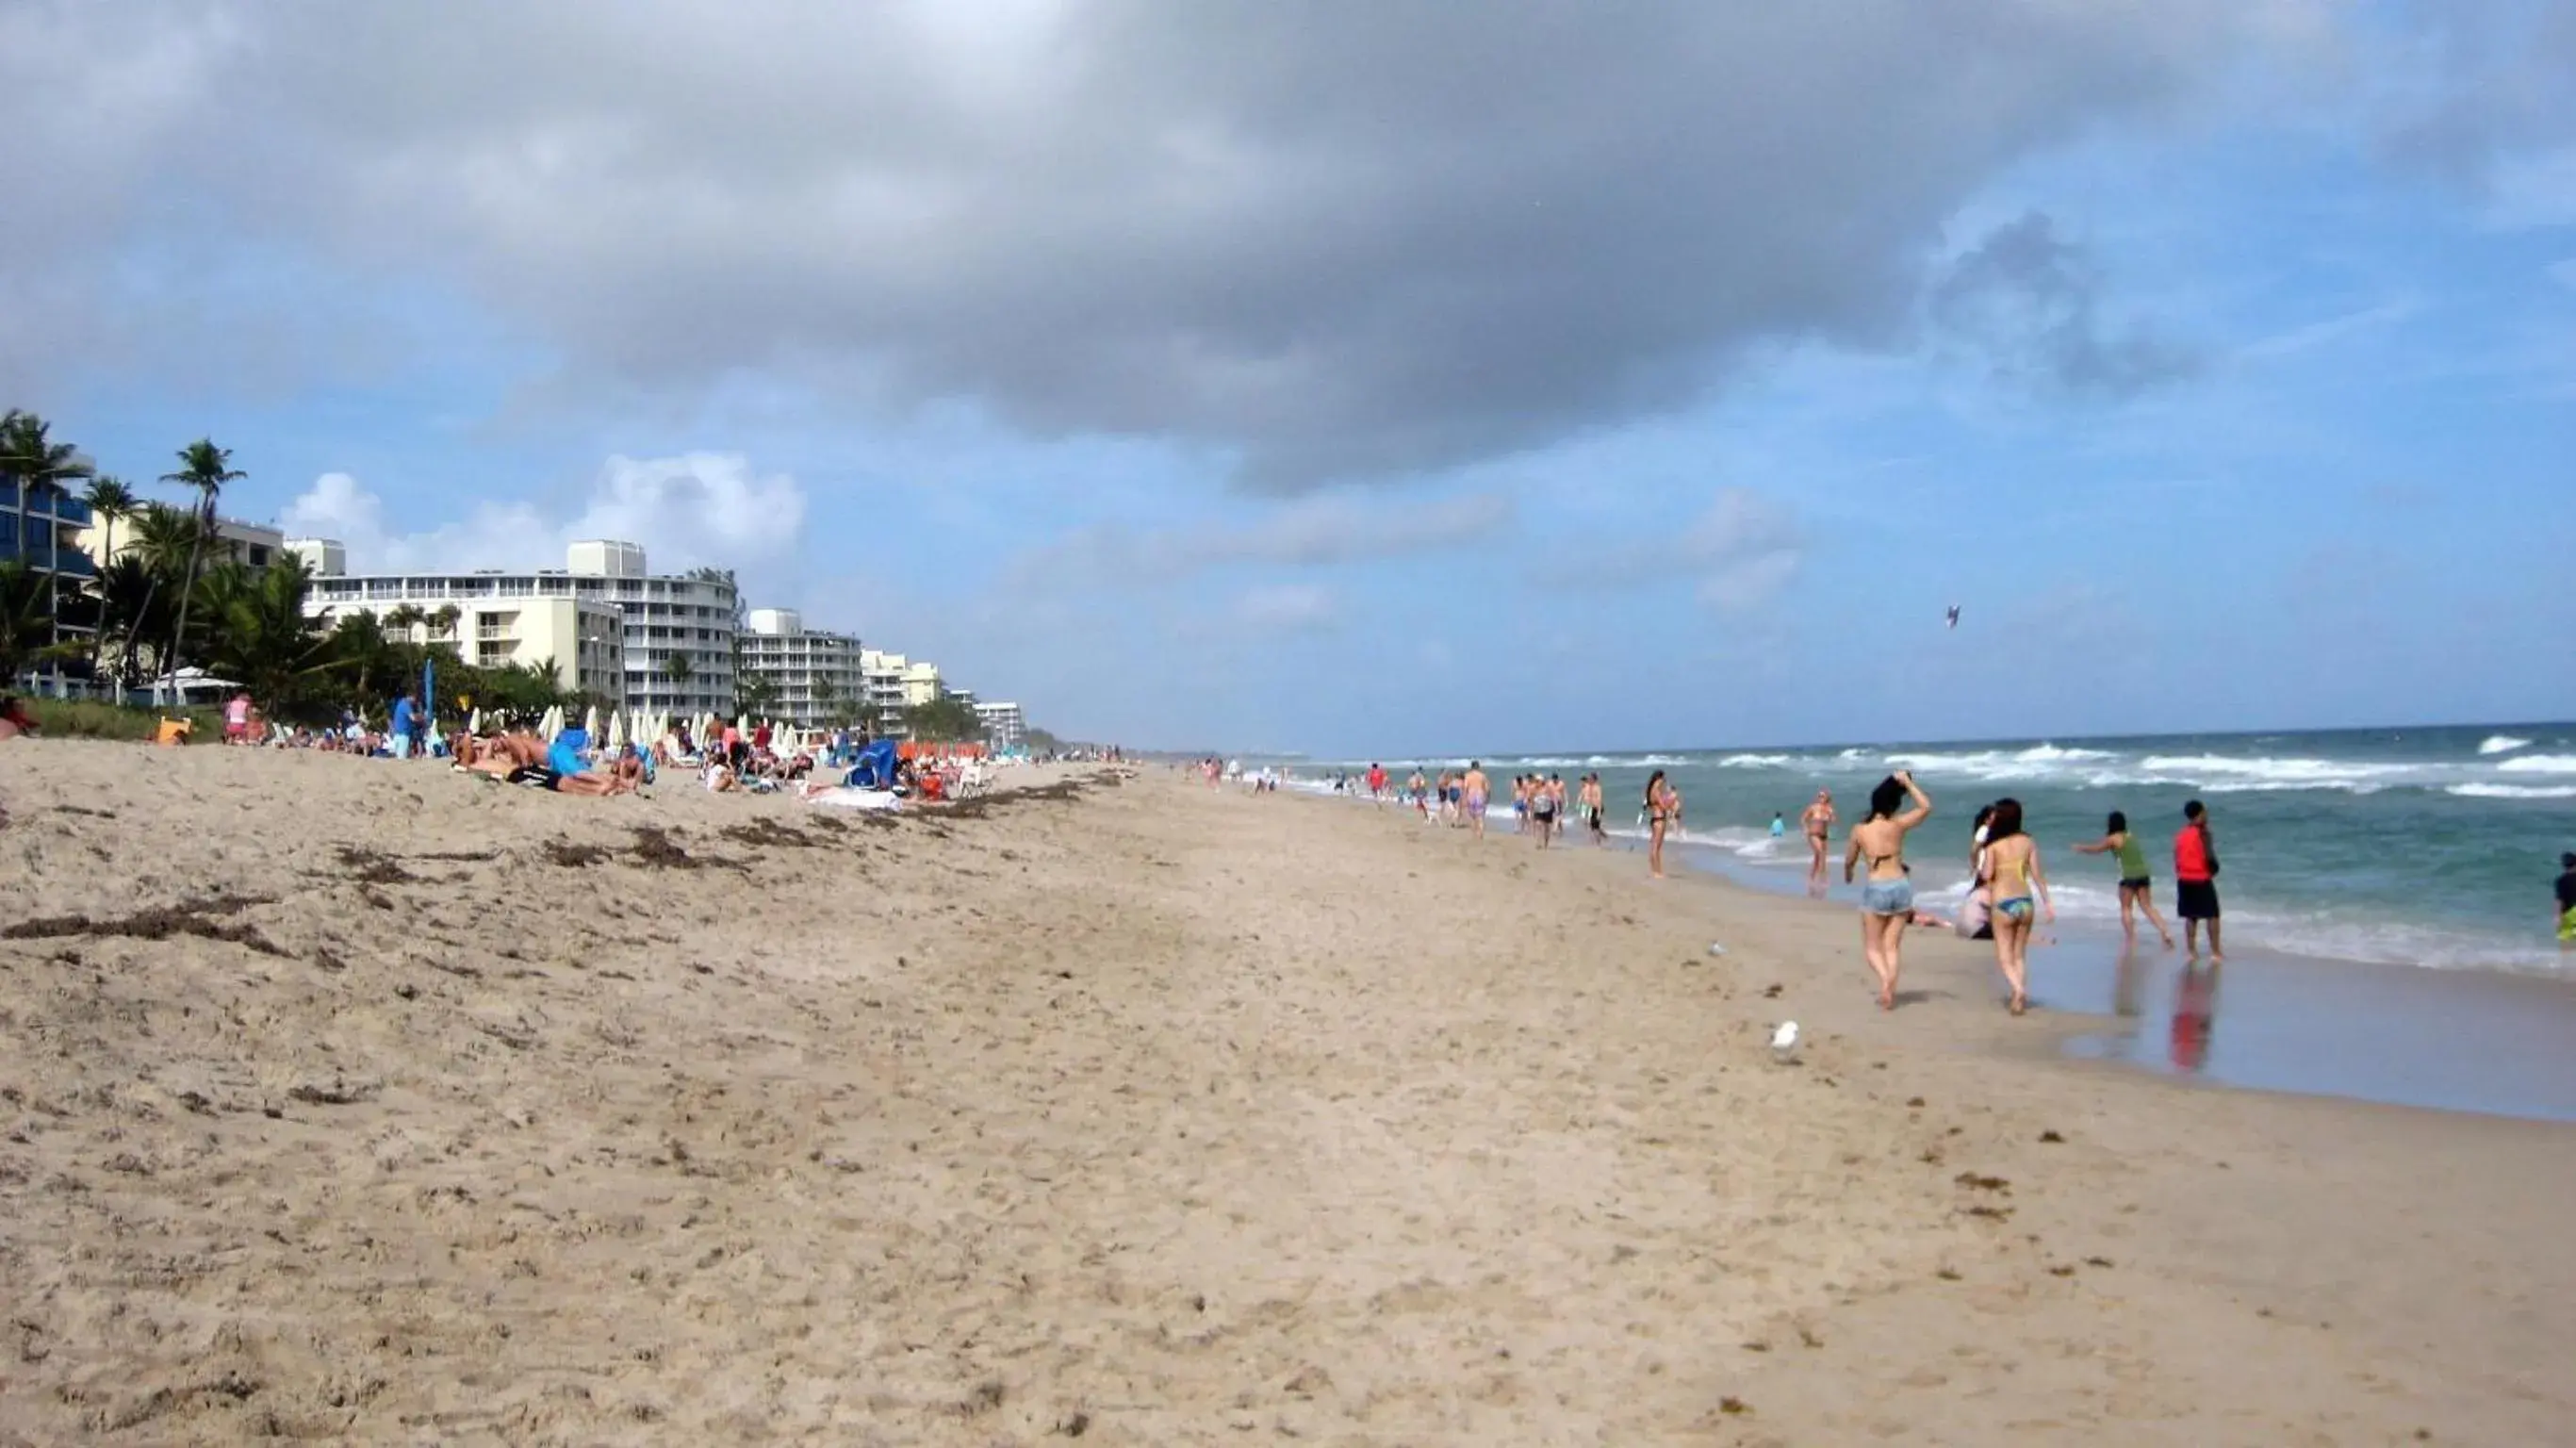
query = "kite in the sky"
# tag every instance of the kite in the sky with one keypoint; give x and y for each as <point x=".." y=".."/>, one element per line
<point x="1954" y="615"/>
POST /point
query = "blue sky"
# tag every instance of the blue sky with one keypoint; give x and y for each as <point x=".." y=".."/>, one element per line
<point x="1383" y="385"/>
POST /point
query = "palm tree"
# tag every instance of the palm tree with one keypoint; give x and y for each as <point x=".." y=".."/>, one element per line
<point x="127" y="594"/>
<point x="163" y="538"/>
<point x="206" y="468"/>
<point x="32" y="459"/>
<point x="403" y="618"/>
<point x="445" y="619"/>
<point x="263" y="638"/>
<point x="26" y="622"/>
<point x="675" y="667"/>
<point x="109" y="499"/>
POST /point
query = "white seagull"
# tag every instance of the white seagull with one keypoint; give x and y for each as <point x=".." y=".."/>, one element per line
<point x="1784" y="1042"/>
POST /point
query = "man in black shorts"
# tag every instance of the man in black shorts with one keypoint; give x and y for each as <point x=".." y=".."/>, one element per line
<point x="2196" y="881"/>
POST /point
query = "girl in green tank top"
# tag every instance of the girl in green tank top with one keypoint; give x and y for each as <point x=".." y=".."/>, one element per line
<point x="2136" y="887"/>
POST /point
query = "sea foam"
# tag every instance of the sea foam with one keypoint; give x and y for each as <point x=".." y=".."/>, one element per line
<point x="2501" y="744"/>
<point x="2540" y="764"/>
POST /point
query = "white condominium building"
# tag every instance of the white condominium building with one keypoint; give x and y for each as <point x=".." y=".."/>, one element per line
<point x="583" y="642"/>
<point x="255" y="545"/>
<point x="678" y="645"/>
<point x="1003" y="726"/>
<point x="881" y="684"/>
<point x="816" y="671"/>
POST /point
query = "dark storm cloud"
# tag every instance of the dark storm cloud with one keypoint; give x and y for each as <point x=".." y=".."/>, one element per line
<point x="2487" y="80"/>
<point x="1332" y="240"/>
<point x="2032" y="302"/>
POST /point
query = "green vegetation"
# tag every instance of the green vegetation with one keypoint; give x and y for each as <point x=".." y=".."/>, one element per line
<point x="89" y="719"/>
<point x="944" y="720"/>
<point x="170" y="602"/>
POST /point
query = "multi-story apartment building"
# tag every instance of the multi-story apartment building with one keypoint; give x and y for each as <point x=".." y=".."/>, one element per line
<point x="679" y="631"/>
<point x="816" y="671"/>
<point x="881" y="686"/>
<point x="254" y="545"/>
<point x="1003" y="726"/>
<point x="583" y="641"/>
<point x="40" y="526"/>
<point x="891" y="683"/>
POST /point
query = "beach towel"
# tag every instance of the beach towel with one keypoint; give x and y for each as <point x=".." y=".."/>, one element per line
<point x="846" y="797"/>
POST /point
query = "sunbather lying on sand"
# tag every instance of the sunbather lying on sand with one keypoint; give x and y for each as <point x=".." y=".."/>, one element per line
<point x="503" y="754"/>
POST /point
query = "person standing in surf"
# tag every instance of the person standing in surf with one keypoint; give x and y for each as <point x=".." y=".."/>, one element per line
<point x="1817" y="820"/>
<point x="1477" y="790"/>
<point x="2137" y="887"/>
<point x="2020" y="890"/>
<point x="2567" y="901"/>
<point x="1663" y="812"/>
<point x="1592" y="810"/>
<point x="1887" y="898"/>
<point x="1544" y="805"/>
<point x="2196" y="882"/>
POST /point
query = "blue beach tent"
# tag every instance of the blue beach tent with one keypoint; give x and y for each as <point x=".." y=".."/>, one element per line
<point x="875" y="769"/>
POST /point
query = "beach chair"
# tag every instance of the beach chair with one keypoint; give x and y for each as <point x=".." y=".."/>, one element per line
<point x="972" y="780"/>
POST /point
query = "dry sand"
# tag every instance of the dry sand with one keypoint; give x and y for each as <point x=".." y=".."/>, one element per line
<point x="445" y="1113"/>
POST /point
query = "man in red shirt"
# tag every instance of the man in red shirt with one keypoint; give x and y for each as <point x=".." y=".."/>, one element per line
<point x="2196" y="881"/>
<point x="1377" y="784"/>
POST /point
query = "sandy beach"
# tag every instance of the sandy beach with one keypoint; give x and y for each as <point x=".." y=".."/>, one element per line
<point x="357" y="1101"/>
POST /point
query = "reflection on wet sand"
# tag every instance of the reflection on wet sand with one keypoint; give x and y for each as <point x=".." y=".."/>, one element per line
<point x="2195" y="1015"/>
<point x="2128" y="984"/>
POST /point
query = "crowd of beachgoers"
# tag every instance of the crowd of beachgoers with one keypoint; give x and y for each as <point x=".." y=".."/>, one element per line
<point x="2008" y="894"/>
<point x="839" y="765"/>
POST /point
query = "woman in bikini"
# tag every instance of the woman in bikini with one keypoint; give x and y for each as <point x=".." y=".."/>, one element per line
<point x="2020" y="888"/>
<point x="1887" y="898"/>
<point x="1663" y="812"/>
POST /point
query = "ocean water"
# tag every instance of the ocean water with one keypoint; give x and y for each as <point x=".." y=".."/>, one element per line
<point x="2429" y="847"/>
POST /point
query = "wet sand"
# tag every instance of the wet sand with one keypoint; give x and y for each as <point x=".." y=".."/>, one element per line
<point x="2456" y="1040"/>
<point x="364" y="1102"/>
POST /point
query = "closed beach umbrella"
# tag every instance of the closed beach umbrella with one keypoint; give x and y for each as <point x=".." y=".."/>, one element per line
<point x="590" y="722"/>
<point x="474" y="722"/>
<point x="617" y="732"/>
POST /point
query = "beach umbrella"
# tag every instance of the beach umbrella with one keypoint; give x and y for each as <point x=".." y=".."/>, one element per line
<point x="617" y="732"/>
<point x="474" y="722"/>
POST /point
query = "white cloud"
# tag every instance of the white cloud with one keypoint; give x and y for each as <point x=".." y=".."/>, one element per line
<point x="1739" y="552"/>
<point x="1289" y="608"/>
<point x="707" y="509"/>
<point x="1311" y="532"/>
